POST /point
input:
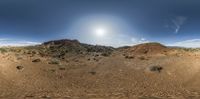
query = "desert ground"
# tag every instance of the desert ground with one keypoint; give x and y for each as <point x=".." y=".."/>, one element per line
<point x="68" y="69"/>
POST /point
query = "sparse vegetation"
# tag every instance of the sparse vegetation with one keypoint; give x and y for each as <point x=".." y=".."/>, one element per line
<point x="3" y="50"/>
<point x="95" y="59"/>
<point x="74" y="65"/>
<point x="19" y="58"/>
<point x="142" y="58"/>
<point x="54" y="61"/>
<point x="61" y="68"/>
<point x="106" y="54"/>
<point x="156" y="68"/>
<point x="92" y="72"/>
<point x="52" y="70"/>
<point x="129" y="57"/>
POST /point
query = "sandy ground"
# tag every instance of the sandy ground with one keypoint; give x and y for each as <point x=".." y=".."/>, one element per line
<point x="113" y="77"/>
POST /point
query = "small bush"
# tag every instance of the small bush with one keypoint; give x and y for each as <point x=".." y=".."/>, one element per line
<point x="106" y="54"/>
<point x="3" y="50"/>
<point x="61" y="68"/>
<point x="52" y="70"/>
<point x="54" y="62"/>
<point x="156" y="68"/>
<point x="143" y="58"/>
<point x="19" y="58"/>
<point x="34" y="52"/>
<point x="92" y="72"/>
<point x="129" y="57"/>
<point x="95" y="59"/>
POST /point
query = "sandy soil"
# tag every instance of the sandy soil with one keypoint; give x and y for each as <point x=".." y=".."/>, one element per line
<point x="125" y="74"/>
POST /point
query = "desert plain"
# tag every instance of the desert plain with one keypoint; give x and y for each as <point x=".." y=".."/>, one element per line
<point x="68" y="69"/>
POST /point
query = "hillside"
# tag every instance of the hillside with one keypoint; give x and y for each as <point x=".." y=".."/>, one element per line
<point x="70" y="69"/>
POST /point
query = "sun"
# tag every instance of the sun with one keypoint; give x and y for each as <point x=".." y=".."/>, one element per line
<point x="100" y="32"/>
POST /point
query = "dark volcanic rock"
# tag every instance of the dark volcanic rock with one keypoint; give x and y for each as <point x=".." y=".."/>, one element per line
<point x="62" y="42"/>
<point x="36" y="60"/>
<point x="60" y="48"/>
<point x="156" y="68"/>
<point x="20" y="67"/>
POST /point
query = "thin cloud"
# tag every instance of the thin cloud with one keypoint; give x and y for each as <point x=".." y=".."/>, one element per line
<point x="138" y="41"/>
<point x="178" y="21"/>
<point x="193" y="43"/>
<point x="4" y="39"/>
<point x="9" y="42"/>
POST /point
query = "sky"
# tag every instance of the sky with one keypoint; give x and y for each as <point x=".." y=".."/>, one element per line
<point x="102" y="22"/>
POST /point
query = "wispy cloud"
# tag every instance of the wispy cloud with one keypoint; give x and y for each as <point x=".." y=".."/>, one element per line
<point x="178" y="21"/>
<point x="4" y="39"/>
<point x="119" y="40"/>
<point x="175" y="23"/>
<point x="10" y="42"/>
<point x="126" y="40"/>
<point x="135" y="41"/>
<point x="193" y="43"/>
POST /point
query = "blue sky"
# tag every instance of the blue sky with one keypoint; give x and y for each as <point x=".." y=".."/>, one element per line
<point x="124" y="22"/>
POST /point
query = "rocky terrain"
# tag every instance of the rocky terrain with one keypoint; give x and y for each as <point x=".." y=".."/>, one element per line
<point x="68" y="69"/>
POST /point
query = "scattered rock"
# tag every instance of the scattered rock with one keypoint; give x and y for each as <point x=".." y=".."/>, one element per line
<point x="52" y="70"/>
<point x="142" y="58"/>
<point x="19" y="58"/>
<point x="92" y="72"/>
<point x="54" y="62"/>
<point x="95" y="59"/>
<point x="20" y="67"/>
<point x="76" y="60"/>
<point x="96" y="55"/>
<point x="62" y="68"/>
<point x="29" y="96"/>
<point x="156" y="68"/>
<point x="45" y="96"/>
<point x="106" y="54"/>
<point x="36" y="60"/>
<point x="129" y="57"/>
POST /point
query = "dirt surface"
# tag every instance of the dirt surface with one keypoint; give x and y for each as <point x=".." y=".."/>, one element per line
<point x="52" y="70"/>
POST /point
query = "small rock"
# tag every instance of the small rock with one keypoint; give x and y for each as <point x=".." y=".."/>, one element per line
<point x="92" y="72"/>
<point x="129" y="57"/>
<point x="36" y="60"/>
<point x="62" y="68"/>
<point x="20" y="67"/>
<point x="29" y="96"/>
<point x="45" y="96"/>
<point x="156" y="68"/>
<point x="54" y="62"/>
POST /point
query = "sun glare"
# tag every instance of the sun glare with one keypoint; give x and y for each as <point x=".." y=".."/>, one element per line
<point x="100" y="32"/>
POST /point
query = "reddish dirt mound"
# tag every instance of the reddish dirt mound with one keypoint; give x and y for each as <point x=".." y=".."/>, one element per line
<point x="148" y="48"/>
